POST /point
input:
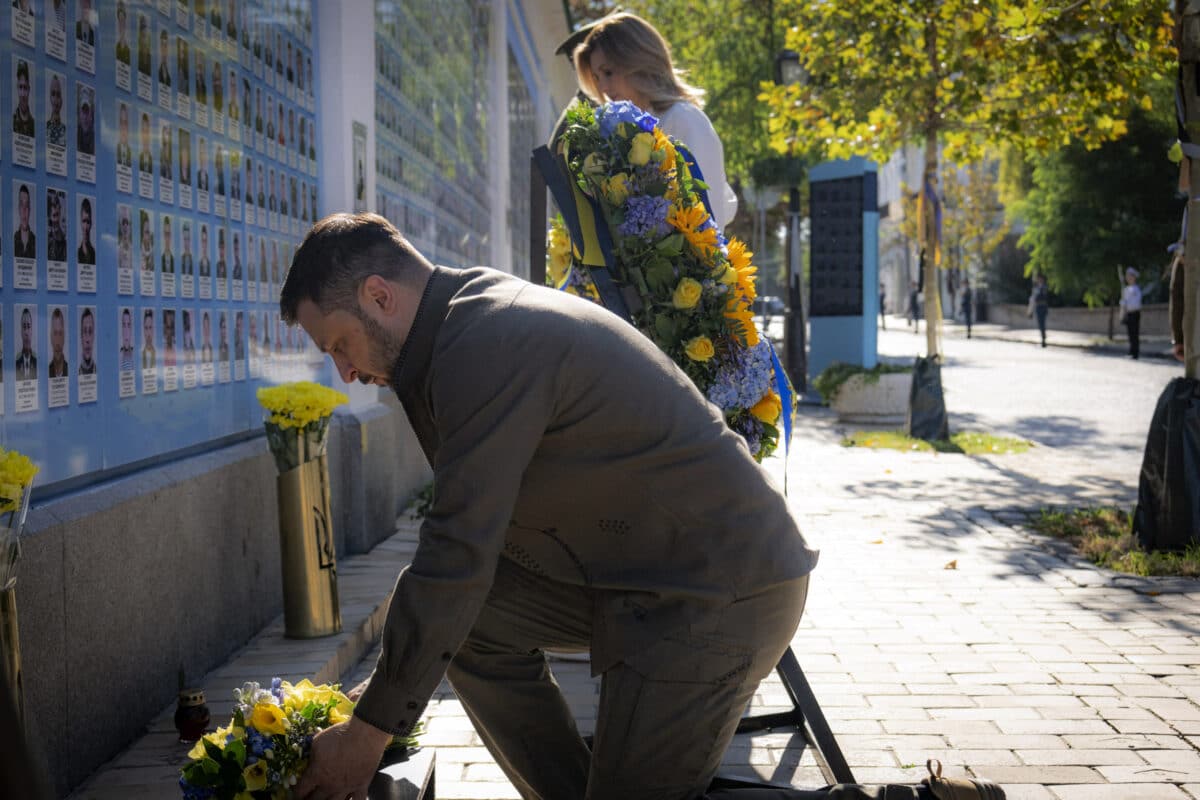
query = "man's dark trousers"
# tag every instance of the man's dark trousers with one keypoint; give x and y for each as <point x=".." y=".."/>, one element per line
<point x="666" y="714"/>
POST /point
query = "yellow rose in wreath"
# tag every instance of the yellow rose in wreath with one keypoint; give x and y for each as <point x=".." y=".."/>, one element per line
<point x="687" y="294"/>
<point x="594" y="165"/>
<point x="641" y="148"/>
<point x="699" y="349"/>
<point x="768" y="408"/>
<point x="616" y="189"/>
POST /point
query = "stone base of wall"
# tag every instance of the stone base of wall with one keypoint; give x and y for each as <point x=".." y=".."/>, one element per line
<point x="1155" y="319"/>
<point x="129" y="588"/>
<point x="883" y="402"/>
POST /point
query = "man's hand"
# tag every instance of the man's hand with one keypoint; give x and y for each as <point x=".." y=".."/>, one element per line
<point x="343" y="760"/>
<point x="357" y="691"/>
<point x="1178" y="350"/>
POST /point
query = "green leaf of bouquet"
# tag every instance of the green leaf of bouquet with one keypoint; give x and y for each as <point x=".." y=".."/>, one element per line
<point x="213" y="751"/>
<point x="671" y="245"/>
<point x="659" y="276"/>
<point x="665" y="328"/>
<point x="237" y="751"/>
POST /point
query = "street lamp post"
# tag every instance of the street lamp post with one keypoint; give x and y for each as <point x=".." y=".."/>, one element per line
<point x="788" y="71"/>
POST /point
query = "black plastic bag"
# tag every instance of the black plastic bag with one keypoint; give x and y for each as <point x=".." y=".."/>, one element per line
<point x="926" y="404"/>
<point x="1167" y="516"/>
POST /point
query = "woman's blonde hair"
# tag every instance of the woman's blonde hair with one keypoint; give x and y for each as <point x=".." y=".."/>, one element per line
<point x="643" y="54"/>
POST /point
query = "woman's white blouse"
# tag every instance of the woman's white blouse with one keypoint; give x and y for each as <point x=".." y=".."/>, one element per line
<point x="691" y="126"/>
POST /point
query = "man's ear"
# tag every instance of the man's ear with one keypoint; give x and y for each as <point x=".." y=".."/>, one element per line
<point x="379" y="293"/>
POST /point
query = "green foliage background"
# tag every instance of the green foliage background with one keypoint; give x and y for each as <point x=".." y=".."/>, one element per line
<point x="1090" y="213"/>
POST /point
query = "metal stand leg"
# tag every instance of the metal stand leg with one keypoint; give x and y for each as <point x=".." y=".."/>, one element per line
<point x="805" y="715"/>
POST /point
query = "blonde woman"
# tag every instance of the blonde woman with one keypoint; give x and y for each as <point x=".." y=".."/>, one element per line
<point x="625" y="58"/>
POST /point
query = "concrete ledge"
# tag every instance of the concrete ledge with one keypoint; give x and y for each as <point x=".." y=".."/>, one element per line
<point x="1156" y="319"/>
<point x="149" y="769"/>
<point x="884" y="401"/>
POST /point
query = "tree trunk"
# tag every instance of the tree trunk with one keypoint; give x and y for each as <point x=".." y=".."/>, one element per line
<point x="933" y="293"/>
<point x="1191" y="278"/>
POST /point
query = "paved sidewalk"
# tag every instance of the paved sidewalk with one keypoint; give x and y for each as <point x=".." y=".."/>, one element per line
<point x="936" y="627"/>
<point x="1151" y="346"/>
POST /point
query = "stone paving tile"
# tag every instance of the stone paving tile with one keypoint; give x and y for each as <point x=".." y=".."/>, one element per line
<point x="1142" y="791"/>
<point x="1026" y="791"/>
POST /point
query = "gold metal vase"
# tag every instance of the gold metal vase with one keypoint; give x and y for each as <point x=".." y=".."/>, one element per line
<point x="310" y="593"/>
<point x="10" y="648"/>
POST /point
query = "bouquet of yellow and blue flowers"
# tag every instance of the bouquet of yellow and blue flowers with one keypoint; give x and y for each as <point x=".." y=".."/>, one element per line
<point x="696" y="288"/>
<point x="298" y="421"/>
<point x="264" y="749"/>
<point x="16" y="480"/>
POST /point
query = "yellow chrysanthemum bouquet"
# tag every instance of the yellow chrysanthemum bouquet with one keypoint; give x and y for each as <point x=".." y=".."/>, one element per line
<point x="694" y="288"/>
<point x="16" y="481"/>
<point x="298" y="424"/>
<point x="264" y="749"/>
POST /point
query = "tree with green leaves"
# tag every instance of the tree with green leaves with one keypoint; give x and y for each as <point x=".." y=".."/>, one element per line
<point x="975" y="223"/>
<point x="1090" y="213"/>
<point x="963" y="78"/>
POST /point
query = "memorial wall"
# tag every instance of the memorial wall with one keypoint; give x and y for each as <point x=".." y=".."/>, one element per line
<point x="158" y="173"/>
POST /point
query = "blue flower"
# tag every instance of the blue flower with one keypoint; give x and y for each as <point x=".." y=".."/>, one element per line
<point x="610" y="115"/>
<point x="194" y="792"/>
<point x="645" y="215"/>
<point x="256" y="742"/>
<point x="742" y="379"/>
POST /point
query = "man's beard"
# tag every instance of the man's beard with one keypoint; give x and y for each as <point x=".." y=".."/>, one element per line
<point x="383" y="348"/>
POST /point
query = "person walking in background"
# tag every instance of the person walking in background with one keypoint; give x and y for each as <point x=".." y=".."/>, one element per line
<point x="625" y="58"/>
<point x="968" y="304"/>
<point x="914" y="306"/>
<point x="883" y="306"/>
<point x="1131" y="311"/>
<point x="1039" y="304"/>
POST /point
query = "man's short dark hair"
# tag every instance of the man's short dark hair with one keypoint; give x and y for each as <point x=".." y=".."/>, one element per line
<point x="87" y="312"/>
<point x="85" y="205"/>
<point x="338" y="254"/>
<point x="23" y="68"/>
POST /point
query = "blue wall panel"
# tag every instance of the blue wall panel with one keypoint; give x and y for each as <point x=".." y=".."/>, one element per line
<point x="259" y="139"/>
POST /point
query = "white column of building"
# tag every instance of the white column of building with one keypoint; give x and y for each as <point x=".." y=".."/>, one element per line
<point x="346" y="47"/>
<point x="501" y="235"/>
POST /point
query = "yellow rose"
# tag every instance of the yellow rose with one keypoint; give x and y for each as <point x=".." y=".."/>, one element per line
<point x="268" y="718"/>
<point x="687" y="294"/>
<point x="768" y="408"/>
<point x="641" y="148"/>
<point x="616" y="189"/>
<point x="594" y="164"/>
<point x="255" y="776"/>
<point x="699" y="349"/>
